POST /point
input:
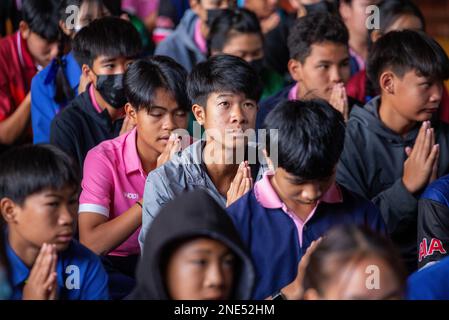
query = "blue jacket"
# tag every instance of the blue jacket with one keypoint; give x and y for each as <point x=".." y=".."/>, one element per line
<point x="180" y="45"/>
<point x="430" y="283"/>
<point x="43" y="89"/>
<point x="272" y="237"/>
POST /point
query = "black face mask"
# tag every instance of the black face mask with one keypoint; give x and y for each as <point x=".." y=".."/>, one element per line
<point x="257" y="65"/>
<point x="112" y="90"/>
<point x="322" y="6"/>
<point x="212" y="14"/>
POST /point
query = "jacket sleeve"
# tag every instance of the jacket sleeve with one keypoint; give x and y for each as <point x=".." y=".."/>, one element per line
<point x="395" y="203"/>
<point x="156" y="194"/>
<point x="433" y="231"/>
<point x="61" y="136"/>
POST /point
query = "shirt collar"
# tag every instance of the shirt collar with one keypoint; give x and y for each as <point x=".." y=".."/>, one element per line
<point x="130" y="155"/>
<point x="358" y="58"/>
<point x="293" y="93"/>
<point x="199" y="39"/>
<point x="93" y="99"/>
<point x="269" y="199"/>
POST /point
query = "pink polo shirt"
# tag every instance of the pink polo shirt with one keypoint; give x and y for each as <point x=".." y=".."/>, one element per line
<point x="269" y="199"/>
<point x="113" y="181"/>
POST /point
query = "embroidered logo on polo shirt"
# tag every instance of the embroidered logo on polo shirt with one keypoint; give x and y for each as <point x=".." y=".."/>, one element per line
<point x="132" y="196"/>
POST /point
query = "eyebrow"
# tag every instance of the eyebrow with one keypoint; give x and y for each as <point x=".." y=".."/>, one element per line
<point x="224" y="95"/>
<point x="106" y="60"/>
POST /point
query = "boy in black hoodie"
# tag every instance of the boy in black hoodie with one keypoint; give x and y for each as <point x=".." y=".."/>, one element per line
<point x="394" y="145"/>
<point x="193" y="252"/>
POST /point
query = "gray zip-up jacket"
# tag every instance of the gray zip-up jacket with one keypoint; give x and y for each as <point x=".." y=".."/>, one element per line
<point x="180" y="45"/>
<point x="185" y="172"/>
<point x="372" y="166"/>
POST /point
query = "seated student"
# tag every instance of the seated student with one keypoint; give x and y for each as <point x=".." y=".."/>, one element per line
<point x="38" y="200"/>
<point x="395" y="15"/>
<point x="346" y="260"/>
<point x="275" y="23"/>
<point x="298" y="202"/>
<point x="392" y="150"/>
<point x="431" y="283"/>
<point x="104" y="48"/>
<point x="110" y="212"/>
<point x="353" y="13"/>
<point x="433" y="223"/>
<point x="22" y="54"/>
<point x="319" y="63"/>
<point x="193" y="252"/>
<point x="187" y="44"/>
<point x="237" y="32"/>
<point x="59" y="83"/>
<point x="224" y="91"/>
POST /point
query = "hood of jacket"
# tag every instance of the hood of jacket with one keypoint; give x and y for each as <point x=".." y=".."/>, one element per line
<point x="193" y="214"/>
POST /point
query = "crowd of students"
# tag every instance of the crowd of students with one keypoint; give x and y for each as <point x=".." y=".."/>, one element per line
<point x="226" y="149"/>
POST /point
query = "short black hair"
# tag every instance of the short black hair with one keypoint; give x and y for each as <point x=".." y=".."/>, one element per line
<point x="108" y="36"/>
<point x="310" y="137"/>
<point x="315" y="28"/>
<point x="223" y="73"/>
<point x="145" y="76"/>
<point x="30" y="169"/>
<point x="42" y="17"/>
<point x="230" y="23"/>
<point x="406" y="50"/>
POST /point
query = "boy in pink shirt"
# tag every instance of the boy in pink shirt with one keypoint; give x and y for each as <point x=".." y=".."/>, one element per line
<point x="115" y="171"/>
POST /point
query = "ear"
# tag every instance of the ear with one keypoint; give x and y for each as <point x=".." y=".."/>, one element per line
<point x="295" y="69"/>
<point x="24" y="30"/>
<point x="87" y="72"/>
<point x="9" y="210"/>
<point x="199" y="113"/>
<point x="131" y="113"/>
<point x="345" y="10"/>
<point x="375" y="35"/>
<point x="386" y="82"/>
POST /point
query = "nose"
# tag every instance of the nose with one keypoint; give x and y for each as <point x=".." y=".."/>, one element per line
<point x="436" y="92"/>
<point x="312" y="192"/>
<point x="66" y="217"/>
<point x="214" y="276"/>
<point x="169" y="123"/>
<point x="336" y="74"/>
<point x="237" y="115"/>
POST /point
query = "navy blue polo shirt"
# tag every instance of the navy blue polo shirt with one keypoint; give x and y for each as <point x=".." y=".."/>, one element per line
<point x="271" y="234"/>
<point x="80" y="274"/>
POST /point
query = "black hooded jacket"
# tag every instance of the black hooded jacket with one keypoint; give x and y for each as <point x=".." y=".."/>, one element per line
<point x="372" y="165"/>
<point x="190" y="215"/>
